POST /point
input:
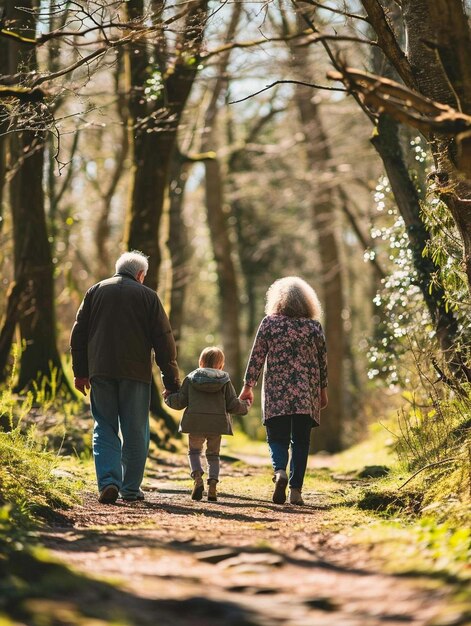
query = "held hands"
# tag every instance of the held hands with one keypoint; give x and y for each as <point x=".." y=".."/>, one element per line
<point x="82" y="384"/>
<point x="247" y="395"/>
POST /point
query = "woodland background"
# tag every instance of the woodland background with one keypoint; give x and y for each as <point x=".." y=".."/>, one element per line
<point x="236" y="142"/>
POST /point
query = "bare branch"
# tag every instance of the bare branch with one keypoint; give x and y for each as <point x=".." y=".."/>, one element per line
<point x="436" y="464"/>
<point x="337" y="11"/>
<point x="16" y="37"/>
<point x="66" y="70"/>
<point x="330" y="53"/>
<point x="289" y="82"/>
<point x="387" y="40"/>
<point x="309" y="39"/>
<point x="24" y="94"/>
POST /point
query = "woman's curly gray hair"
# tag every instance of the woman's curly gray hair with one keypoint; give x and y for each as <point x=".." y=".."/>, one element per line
<point x="293" y="297"/>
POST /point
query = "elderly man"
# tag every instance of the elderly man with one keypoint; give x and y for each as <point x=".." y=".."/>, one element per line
<point x="118" y="324"/>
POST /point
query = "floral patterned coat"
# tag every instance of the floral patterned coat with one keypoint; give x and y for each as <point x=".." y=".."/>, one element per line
<point x="294" y="354"/>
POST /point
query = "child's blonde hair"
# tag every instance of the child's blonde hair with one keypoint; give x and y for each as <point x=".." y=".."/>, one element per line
<point x="212" y="357"/>
<point x="293" y="297"/>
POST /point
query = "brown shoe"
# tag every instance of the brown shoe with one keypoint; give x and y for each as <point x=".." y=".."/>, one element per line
<point x="281" y="481"/>
<point x="212" y="490"/>
<point x="198" y="486"/>
<point x="108" y="495"/>
<point x="295" y="496"/>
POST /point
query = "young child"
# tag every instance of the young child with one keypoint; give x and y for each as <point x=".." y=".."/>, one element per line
<point x="208" y="397"/>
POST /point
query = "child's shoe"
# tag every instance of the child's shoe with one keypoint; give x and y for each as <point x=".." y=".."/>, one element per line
<point x="295" y="496"/>
<point x="198" y="486"/>
<point x="281" y="481"/>
<point x="212" y="490"/>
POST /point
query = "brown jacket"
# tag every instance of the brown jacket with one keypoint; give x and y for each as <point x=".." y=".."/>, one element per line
<point x="118" y="324"/>
<point x="209" y="398"/>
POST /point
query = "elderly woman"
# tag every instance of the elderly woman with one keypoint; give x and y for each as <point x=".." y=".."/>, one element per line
<point x="290" y="343"/>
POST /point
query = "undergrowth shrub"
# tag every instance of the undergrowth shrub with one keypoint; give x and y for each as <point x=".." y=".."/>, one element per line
<point x="433" y="443"/>
<point x="435" y="446"/>
<point x="31" y="485"/>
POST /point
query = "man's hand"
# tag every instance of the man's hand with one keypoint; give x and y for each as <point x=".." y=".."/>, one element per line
<point x="166" y="393"/>
<point x="247" y="395"/>
<point x="82" y="384"/>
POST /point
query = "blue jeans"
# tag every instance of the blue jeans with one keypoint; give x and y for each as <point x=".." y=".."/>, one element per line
<point x="282" y="431"/>
<point x="120" y="404"/>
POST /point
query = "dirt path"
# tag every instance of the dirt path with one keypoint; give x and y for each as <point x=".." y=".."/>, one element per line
<point x="242" y="561"/>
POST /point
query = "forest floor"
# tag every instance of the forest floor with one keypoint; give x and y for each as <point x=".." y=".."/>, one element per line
<point x="242" y="561"/>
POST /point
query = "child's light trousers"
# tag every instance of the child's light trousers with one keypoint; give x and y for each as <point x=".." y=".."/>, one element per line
<point x="195" y="449"/>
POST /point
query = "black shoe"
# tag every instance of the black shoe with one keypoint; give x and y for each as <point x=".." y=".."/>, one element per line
<point x="134" y="497"/>
<point x="109" y="494"/>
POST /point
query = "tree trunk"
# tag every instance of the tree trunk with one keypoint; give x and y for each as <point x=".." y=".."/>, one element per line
<point x="33" y="263"/>
<point x="4" y="70"/>
<point x="3" y="167"/>
<point x="102" y="231"/>
<point x="386" y="142"/>
<point x="217" y="219"/>
<point x="179" y="246"/>
<point x="153" y="126"/>
<point x="227" y="278"/>
<point x="329" y="435"/>
<point x="439" y="53"/>
<point x="153" y="129"/>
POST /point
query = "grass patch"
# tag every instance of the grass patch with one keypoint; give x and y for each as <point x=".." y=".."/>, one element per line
<point x="424" y="547"/>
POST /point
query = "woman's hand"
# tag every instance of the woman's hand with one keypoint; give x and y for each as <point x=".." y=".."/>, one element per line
<point x="247" y="394"/>
<point x="324" y="398"/>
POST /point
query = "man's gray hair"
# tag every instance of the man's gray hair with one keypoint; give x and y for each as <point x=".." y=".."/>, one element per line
<point x="132" y="263"/>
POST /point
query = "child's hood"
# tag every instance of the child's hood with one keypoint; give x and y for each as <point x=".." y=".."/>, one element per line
<point x="208" y="379"/>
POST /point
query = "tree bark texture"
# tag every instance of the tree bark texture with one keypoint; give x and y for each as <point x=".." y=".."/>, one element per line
<point x="439" y="53"/>
<point x="153" y="126"/>
<point x="32" y="256"/>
